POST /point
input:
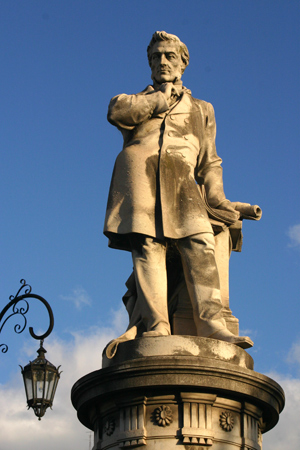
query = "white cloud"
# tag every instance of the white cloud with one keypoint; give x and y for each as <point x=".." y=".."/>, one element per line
<point x="286" y="434"/>
<point x="79" y="297"/>
<point x="294" y="235"/>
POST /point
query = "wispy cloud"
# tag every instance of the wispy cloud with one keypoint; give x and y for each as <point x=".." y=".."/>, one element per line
<point x="286" y="433"/>
<point x="293" y="356"/>
<point x="79" y="297"/>
<point x="248" y="332"/>
<point x="119" y="320"/>
<point x="294" y="235"/>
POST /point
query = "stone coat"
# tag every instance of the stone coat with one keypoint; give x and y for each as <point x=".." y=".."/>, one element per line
<point x="166" y="153"/>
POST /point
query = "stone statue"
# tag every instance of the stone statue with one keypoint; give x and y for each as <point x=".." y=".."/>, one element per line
<point x="195" y="389"/>
<point x="165" y="193"/>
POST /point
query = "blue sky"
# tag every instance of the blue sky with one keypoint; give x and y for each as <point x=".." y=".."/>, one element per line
<point x="61" y="62"/>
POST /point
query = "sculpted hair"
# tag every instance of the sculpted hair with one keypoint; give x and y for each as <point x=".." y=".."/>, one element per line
<point x="163" y="36"/>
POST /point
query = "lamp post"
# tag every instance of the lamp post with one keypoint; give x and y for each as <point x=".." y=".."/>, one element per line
<point x="40" y="376"/>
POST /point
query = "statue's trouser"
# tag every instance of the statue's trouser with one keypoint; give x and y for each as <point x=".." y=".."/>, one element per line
<point x="201" y="276"/>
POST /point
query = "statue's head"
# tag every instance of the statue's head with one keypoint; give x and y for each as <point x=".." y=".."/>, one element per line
<point x="168" y="57"/>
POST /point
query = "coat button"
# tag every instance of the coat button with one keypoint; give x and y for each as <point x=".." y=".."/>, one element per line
<point x="186" y="138"/>
<point x="172" y="117"/>
<point x="186" y="121"/>
<point x="171" y="133"/>
<point x="168" y="151"/>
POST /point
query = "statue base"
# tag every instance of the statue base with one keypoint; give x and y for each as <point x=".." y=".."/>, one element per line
<point x="164" y="392"/>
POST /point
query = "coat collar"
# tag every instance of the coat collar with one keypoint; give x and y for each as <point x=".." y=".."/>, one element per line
<point x="183" y="89"/>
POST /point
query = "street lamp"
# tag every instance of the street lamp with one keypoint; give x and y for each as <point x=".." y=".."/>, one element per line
<point x="40" y="380"/>
<point x="40" y="376"/>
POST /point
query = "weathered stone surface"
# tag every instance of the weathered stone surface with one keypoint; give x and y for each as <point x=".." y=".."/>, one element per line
<point x="180" y="398"/>
<point x="181" y="347"/>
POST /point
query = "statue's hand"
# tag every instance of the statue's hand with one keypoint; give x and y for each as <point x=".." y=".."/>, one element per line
<point x="166" y="89"/>
<point x="227" y="206"/>
<point x="169" y="91"/>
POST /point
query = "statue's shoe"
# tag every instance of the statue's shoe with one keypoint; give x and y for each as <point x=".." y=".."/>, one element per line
<point x="227" y="336"/>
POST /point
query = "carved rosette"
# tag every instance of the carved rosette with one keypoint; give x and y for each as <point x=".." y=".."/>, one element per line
<point x="109" y="427"/>
<point x="226" y="421"/>
<point x="163" y="416"/>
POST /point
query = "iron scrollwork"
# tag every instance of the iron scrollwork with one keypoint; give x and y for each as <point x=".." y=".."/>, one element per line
<point x="21" y="310"/>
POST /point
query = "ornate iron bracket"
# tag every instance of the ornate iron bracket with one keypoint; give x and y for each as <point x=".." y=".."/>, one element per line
<point x="22" y="311"/>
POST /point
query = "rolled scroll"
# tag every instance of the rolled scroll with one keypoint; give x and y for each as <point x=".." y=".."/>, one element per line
<point x="251" y="212"/>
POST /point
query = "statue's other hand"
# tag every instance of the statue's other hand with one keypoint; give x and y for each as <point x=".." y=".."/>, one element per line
<point x="227" y="206"/>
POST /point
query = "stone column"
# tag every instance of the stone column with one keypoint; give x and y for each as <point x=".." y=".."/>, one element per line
<point x="174" y="392"/>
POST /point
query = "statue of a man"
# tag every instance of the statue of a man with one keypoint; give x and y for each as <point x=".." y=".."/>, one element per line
<point x="154" y="201"/>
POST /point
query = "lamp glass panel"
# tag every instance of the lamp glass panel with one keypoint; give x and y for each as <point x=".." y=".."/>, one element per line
<point x="55" y="386"/>
<point x="38" y="383"/>
<point x="28" y="384"/>
<point x="50" y="380"/>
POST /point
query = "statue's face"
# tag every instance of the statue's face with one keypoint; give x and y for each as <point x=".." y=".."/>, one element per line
<point x="166" y="63"/>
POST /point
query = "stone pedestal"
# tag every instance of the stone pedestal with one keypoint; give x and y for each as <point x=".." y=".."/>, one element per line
<point x="177" y="392"/>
